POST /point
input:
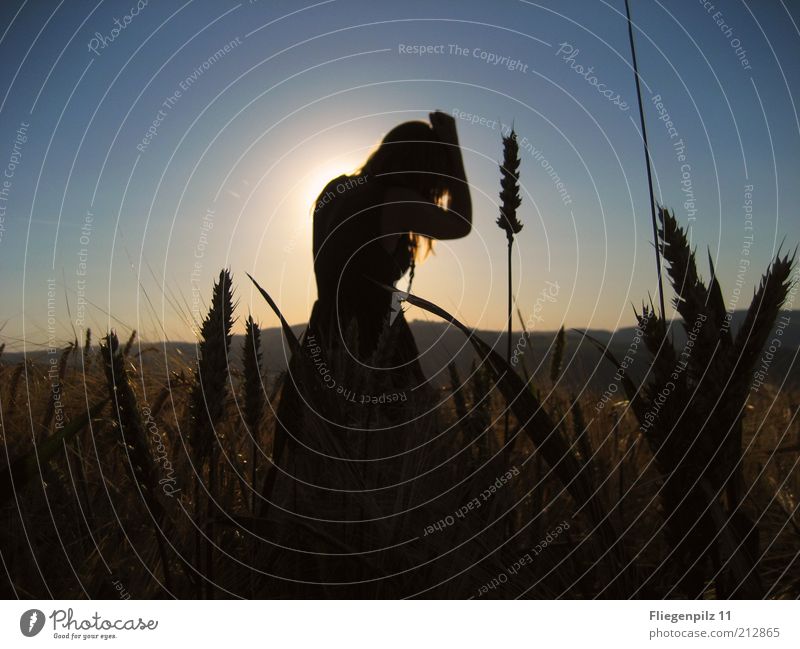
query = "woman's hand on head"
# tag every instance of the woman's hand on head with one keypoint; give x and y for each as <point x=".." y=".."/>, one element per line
<point x="444" y="126"/>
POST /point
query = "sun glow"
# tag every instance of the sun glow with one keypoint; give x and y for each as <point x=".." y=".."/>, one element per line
<point x="315" y="180"/>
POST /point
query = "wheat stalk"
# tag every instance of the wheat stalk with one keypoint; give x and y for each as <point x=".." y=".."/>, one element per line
<point x="646" y="158"/>
<point x="557" y="358"/>
<point x="14" y="387"/>
<point x="253" y="393"/>
<point x="139" y="463"/>
<point x="208" y="397"/>
<point x="508" y="222"/>
<point x="695" y="434"/>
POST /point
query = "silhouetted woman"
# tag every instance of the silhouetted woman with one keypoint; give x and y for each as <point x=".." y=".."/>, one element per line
<point x="370" y="228"/>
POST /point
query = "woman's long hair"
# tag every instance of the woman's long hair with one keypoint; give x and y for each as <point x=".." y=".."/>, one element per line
<point x="410" y="155"/>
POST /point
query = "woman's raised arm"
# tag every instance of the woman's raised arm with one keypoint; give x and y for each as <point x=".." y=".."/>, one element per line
<point x="407" y="210"/>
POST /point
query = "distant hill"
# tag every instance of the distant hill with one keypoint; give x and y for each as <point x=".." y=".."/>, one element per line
<point x="440" y="343"/>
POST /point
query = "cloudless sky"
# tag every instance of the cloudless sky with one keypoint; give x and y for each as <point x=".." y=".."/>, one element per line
<point x="306" y="90"/>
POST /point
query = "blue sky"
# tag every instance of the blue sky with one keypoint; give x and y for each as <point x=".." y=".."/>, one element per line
<point x="240" y="143"/>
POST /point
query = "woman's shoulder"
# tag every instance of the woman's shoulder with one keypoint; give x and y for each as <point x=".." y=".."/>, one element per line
<point x="346" y="186"/>
<point x="345" y="206"/>
<point x="328" y="193"/>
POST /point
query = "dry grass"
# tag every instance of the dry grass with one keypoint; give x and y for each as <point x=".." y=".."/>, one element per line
<point x="174" y="490"/>
<point x="67" y="539"/>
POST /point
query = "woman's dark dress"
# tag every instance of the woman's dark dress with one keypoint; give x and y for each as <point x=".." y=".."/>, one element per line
<point x="348" y="256"/>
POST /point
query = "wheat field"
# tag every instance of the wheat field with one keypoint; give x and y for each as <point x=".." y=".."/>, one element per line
<point x="166" y="478"/>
